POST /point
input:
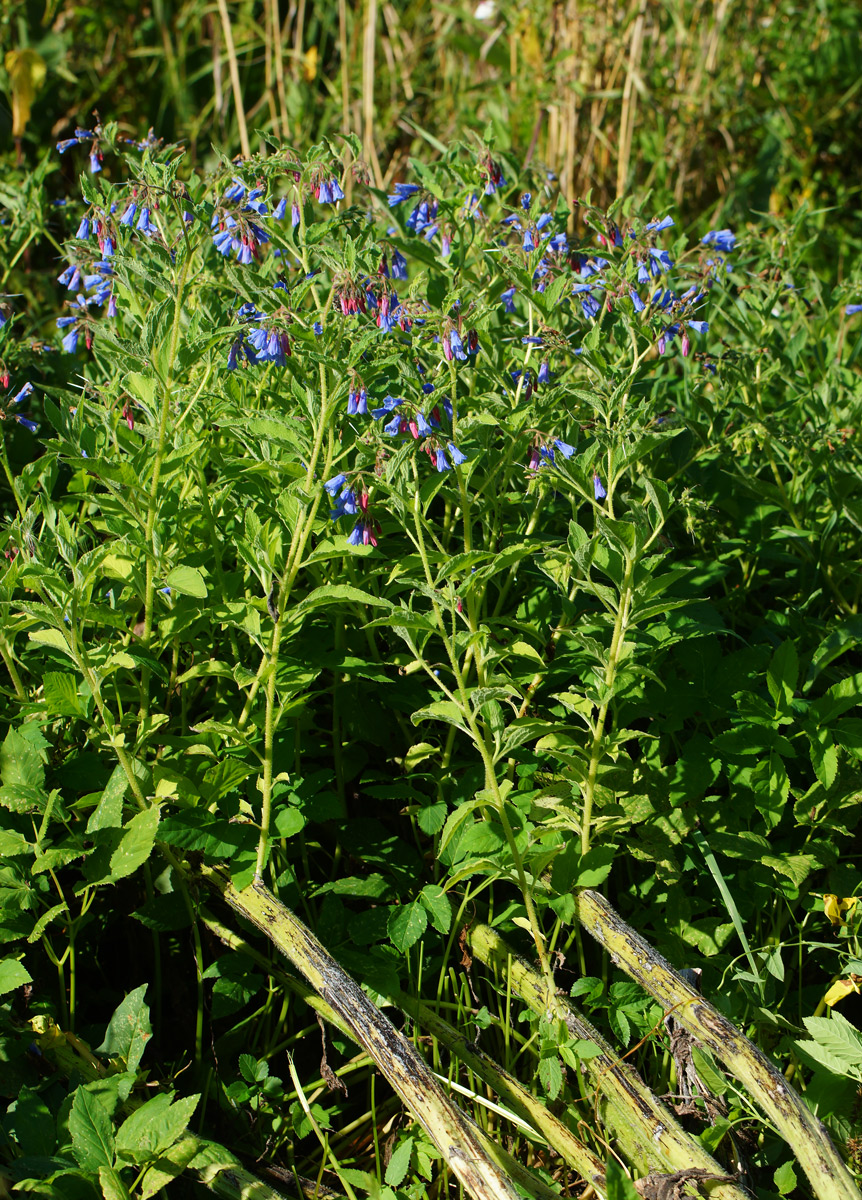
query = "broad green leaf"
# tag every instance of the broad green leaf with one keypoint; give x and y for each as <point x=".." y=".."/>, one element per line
<point x="551" y="1076"/>
<point x="129" y="1030"/>
<point x="341" y="593"/>
<point x="441" y="710"/>
<point x="439" y="908"/>
<point x="33" y="1124"/>
<point x="406" y="925"/>
<point x="154" y="1127"/>
<point x="52" y="638"/>
<point x="60" y="690"/>
<point x="136" y="844"/>
<point x="836" y="1035"/>
<point x="23" y="774"/>
<point x="620" y="1186"/>
<point x="91" y="1131"/>
<point x="169" y="1165"/>
<point x="785" y="1179"/>
<point x="13" y="974"/>
<point x="188" y="581"/>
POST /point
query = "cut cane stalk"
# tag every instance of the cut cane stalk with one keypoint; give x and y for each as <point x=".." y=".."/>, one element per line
<point x="645" y="1129"/>
<point x="457" y="1138"/>
<point x="804" y="1134"/>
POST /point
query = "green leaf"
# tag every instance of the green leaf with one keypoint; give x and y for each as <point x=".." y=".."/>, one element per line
<point x="708" y="1071"/>
<point x="551" y="1076"/>
<point x="837" y="1036"/>
<point x="154" y="1127"/>
<point x="785" y="1179"/>
<point x="342" y="593"/>
<point x="136" y="844"/>
<point x="23" y="774"/>
<point x="13" y="975"/>
<point x="406" y="925"/>
<point x="108" y="813"/>
<point x="440" y="710"/>
<point x="620" y="1187"/>
<point x="112" y="1185"/>
<point x="60" y="690"/>
<point x="91" y="1131"/>
<point x="129" y="1030"/>
<point x="169" y="1165"/>
<point x="782" y="674"/>
<point x="439" y="908"/>
<point x="399" y="1163"/>
<point x="32" y="1123"/>
<point x="188" y="581"/>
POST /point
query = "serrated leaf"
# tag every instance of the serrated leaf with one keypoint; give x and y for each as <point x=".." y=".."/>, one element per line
<point x="91" y="1131"/>
<point x="13" y="975"/>
<point x="60" y="691"/>
<point x="406" y="925"/>
<point x="837" y="1036"/>
<point x="437" y="903"/>
<point x="551" y="1076"/>
<point x="169" y="1165"/>
<point x="399" y="1163"/>
<point x="136" y="844"/>
<point x="785" y="1179"/>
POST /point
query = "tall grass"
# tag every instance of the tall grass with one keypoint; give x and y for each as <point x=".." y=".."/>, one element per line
<point x="707" y="102"/>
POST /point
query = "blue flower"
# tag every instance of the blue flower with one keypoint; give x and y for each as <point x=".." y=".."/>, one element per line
<point x="544" y="375"/>
<point x="639" y="305"/>
<point x="317" y="328"/>
<point x="660" y="258"/>
<point x="529" y="243"/>
<point x="722" y="239"/>
<point x="332" y="485"/>
<point x="659" y="225"/>
<point x="389" y="403"/>
<point x="852" y="309"/>
<point x="422" y="426"/>
<point x="564" y="448"/>
<point x="526" y="201"/>
<point x="27" y="423"/>
<point x="295" y="215"/>
<point x="441" y="462"/>
<point x="507" y="299"/>
<point x="355" y="536"/>
<point x="392" y="426"/>
<point x="702" y="326"/>
<point x="598" y="488"/>
<point x="280" y="210"/>
<point x="399" y="265"/>
<point x="70" y="341"/>
<point x="403" y="191"/>
<point x="83" y="230"/>
<point x="458" y="457"/>
<point x="456" y="345"/>
<point x="26" y="390"/>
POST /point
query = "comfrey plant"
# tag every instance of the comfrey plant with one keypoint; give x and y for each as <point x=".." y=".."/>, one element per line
<point x="326" y="472"/>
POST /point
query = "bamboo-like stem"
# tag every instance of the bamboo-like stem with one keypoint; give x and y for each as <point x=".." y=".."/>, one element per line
<point x="645" y="1129"/>
<point x="558" y="1136"/>
<point x="448" y="1127"/>
<point x="804" y="1134"/>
